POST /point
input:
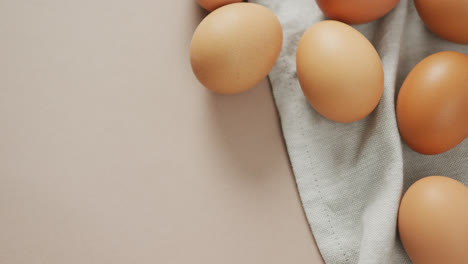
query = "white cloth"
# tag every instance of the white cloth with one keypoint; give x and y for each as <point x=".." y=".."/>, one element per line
<point x="351" y="176"/>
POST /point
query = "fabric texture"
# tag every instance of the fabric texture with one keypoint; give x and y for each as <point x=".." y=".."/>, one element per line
<point x="351" y="176"/>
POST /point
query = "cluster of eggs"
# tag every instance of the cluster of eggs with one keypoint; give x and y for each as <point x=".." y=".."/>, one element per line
<point x="341" y="75"/>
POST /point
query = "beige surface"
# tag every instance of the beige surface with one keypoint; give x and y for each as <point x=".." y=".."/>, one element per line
<point x="111" y="152"/>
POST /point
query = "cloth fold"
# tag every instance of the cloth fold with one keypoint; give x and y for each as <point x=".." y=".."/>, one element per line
<point x="351" y="176"/>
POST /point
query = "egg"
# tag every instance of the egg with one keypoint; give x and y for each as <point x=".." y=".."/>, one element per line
<point x="339" y="71"/>
<point x="447" y="19"/>
<point x="356" y="11"/>
<point x="211" y="5"/>
<point x="235" y="47"/>
<point x="433" y="221"/>
<point x="432" y="105"/>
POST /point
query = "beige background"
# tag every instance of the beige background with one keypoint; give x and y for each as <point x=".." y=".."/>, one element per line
<point x="112" y="152"/>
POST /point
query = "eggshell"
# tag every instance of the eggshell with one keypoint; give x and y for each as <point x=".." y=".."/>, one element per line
<point x="433" y="221"/>
<point x="447" y="19"/>
<point x="235" y="47"/>
<point x="211" y="5"/>
<point x="339" y="71"/>
<point x="356" y="11"/>
<point x="432" y="105"/>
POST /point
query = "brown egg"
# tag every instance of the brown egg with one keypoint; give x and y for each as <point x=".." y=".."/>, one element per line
<point x="432" y="106"/>
<point x="433" y="221"/>
<point x="340" y="72"/>
<point x="211" y="5"/>
<point x="235" y="47"/>
<point x="448" y="19"/>
<point x="356" y="11"/>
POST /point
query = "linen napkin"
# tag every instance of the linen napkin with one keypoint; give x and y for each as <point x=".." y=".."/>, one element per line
<point x="351" y="176"/>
